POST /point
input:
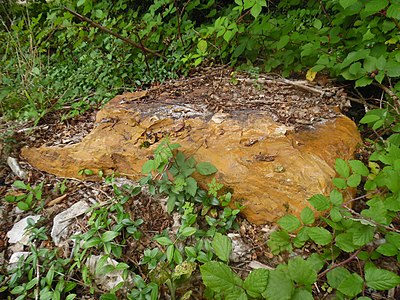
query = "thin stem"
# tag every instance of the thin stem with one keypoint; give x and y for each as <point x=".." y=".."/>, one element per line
<point x="334" y="266"/>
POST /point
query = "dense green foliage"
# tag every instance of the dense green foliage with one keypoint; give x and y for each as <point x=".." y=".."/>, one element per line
<point x="52" y="59"/>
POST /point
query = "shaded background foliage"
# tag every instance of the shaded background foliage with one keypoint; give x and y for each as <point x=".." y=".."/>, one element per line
<point x="53" y="60"/>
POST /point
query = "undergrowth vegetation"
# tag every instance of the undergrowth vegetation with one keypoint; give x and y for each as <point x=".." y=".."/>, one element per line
<point x="71" y="56"/>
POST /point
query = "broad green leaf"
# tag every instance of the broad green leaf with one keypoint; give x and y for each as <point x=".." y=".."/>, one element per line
<point x="94" y="241"/>
<point x="20" y="185"/>
<point x="335" y="214"/>
<point x="393" y="238"/>
<point x="340" y="183"/>
<point x="301" y="271"/>
<point x="256" y="282"/>
<point x="283" y="41"/>
<point x="23" y="206"/>
<point x="336" y="276"/>
<point x="307" y="216"/>
<point x="393" y="11"/>
<point x="163" y="240"/>
<point x="367" y="119"/>
<point x="289" y="223"/>
<point x="387" y="249"/>
<point x="380" y="279"/>
<point x="354" y="180"/>
<point x="191" y="186"/>
<point x="346" y="3"/>
<point x="316" y="261"/>
<point x="363" y="81"/>
<point x="218" y="276"/>
<point x="279" y="286"/>
<point x="342" y="168"/>
<point x="351" y="286"/>
<point x="206" y="168"/>
<point x="393" y="68"/>
<point x="109" y="236"/>
<point x="279" y="241"/>
<point x="202" y="46"/>
<point x="148" y="166"/>
<point x="345" y="242"/>
<point x="362" y="234"/>
<point x="317" y="24"/>
<point x="222" y="246"/>
<point x="320" y="235"/>
<point x="358" y="167"/>
<point x="255" y="10"/>
<point x="374" y="6"/>
<point x="319" y="202"/>
<point x="302" y="294"/>
<point x="336" y="197"/>
<point x="188" y="231"/>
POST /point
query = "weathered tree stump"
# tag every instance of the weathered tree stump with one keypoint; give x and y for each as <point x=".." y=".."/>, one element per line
<point x="273" y="144"/>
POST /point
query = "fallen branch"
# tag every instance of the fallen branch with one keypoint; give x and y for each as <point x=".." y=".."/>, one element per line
<point x="102" y="28"/>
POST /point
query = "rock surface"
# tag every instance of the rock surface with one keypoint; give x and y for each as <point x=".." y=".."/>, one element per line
<point x="61" y="222"/>
<point x="19" y="234"/>
<point x="273" y="168"/>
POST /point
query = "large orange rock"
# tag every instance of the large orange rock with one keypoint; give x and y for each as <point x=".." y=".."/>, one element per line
<point x="271" y="168"/>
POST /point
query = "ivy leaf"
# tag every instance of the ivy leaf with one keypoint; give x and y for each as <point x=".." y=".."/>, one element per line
<point x="219" y="277"/>
<point x="256" y="282"/>
<point x="222" y="246"/>
<point x="289" y="223"/>
<point x="320" y="235"/>
<point x="279" y="287"/>
<point x="351" y="286"/>
<point x="206" y="168"/>
<point x="301" y="271"/>
<point x="342" y="168"/>
<point x="307" y="216"/>
<point x="319" y="202"/>
<point x="379" y="279"/>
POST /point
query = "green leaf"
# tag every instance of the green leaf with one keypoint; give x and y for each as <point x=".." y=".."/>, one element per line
<point x="358" y="167"/>
<point x="342" y="168"/>
<point x="94" y="241"/>
<point x="317" y="24"/>
<point x="320" y="235"/>
<point x="256" y="282"/>
<point x="351" y="285"/>
<point x="109" y="236"/>
<point x="387" y="249"/>
<point x="289" y="223"/>
<point x="393" y="11"/>
<point x="301" y="271"/>
<point x="206" y="168"/>
<point x="374" y="6"/>
<point x="191" y="186"/>
<point x="380" y="279"/>
<point x="202" y="46"/>
<point x="354" y="180"/>
<point x="393" y="68"/>
<point x="319" y="202"/>
<point x="367" y="119"/>
<point x="279" y="286"/>
<point x="336" y="276"/>
<point x="50" y="276"/>
<point x="340" y="183"/>
<point x="307" y="216"/>
<point x="302" y="294"/>
<point x="256" y="10"/>
<point x="346" y="3"/>
<point x="20" y="185"/>
<point x="23" y="206"/>
<point x="336" y="197"/>
<point x="335" y="214"/>
<point x="283" y="41"/>
<point x="218" y="277"/>
<point x="188" y="231"/>
<point x="163" y="240"/>
<point x="148" y="166"/>
<point x="222" y="246"/>
<point x="170" y="253"/>
<point x="345" y="242"/>
<point x="363" y="81"/>
<point x="362" y="234"/>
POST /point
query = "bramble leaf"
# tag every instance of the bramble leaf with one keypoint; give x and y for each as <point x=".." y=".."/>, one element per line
<point x="319" y="202"/>
<point x="380" y="279"/>
<point x="320" y="235"/>
<point x="206" y="168"/>
<point x="301" y="271"/>
<point x="222" y="246"/>
<point x="256" y="282"/>
<point x="279" y="287"/>
<point x="289" y="223"/>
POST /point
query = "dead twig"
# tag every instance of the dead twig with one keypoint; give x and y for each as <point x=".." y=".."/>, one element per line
<point x="102" y="28"/>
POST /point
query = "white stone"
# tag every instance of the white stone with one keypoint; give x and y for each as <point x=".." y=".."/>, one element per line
<point x="62" y="221"/>
<point x="15" y="167"/>
<point x="239" y="248"/>
<point x="106" y="281"/>
<point x="18" y="234"/>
